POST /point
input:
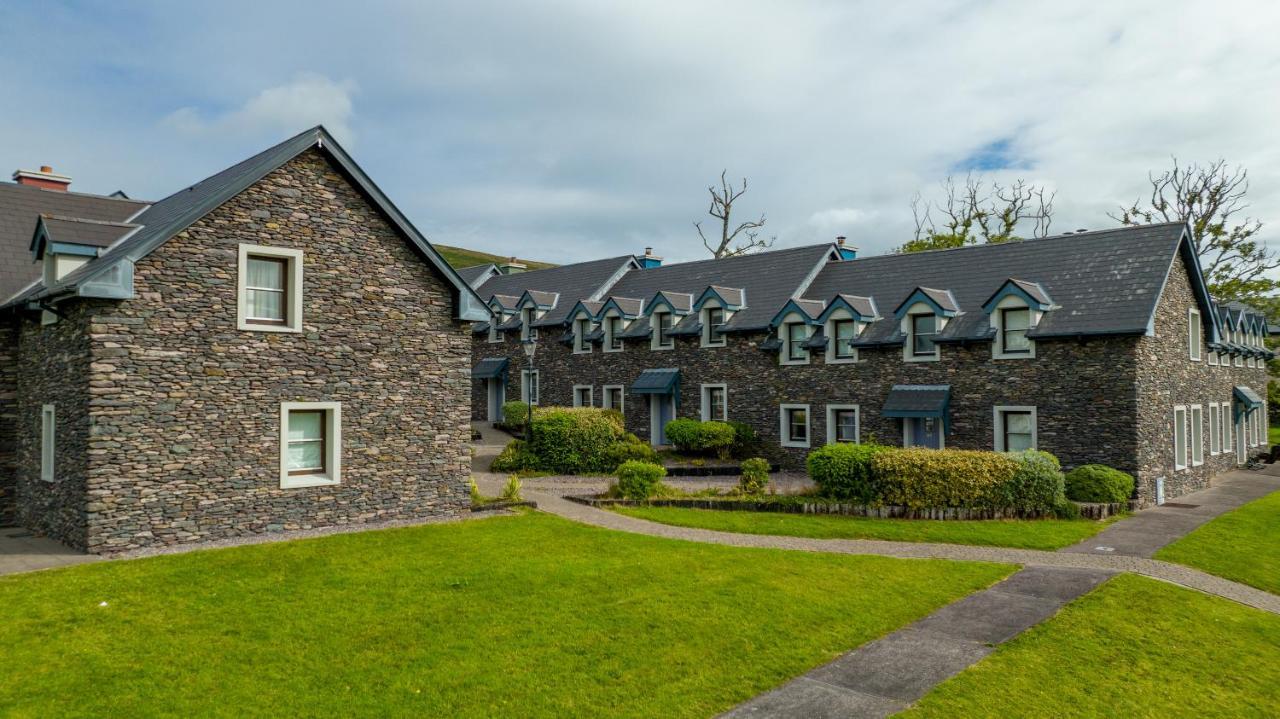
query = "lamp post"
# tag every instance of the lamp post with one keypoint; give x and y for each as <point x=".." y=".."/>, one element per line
<point x="530" y="347"/>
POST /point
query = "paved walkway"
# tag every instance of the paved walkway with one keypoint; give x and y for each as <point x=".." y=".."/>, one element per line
<point x="20" y="551"/>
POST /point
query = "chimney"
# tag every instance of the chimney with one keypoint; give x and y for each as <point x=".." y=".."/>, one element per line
<point x="512" y="266"/>
<point x="847" y="252"/>
<point x="45" y="178"/>
<point x="649" y="260"/>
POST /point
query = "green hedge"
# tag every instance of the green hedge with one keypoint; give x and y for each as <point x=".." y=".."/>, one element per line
<point x="843" y="471"/>
<point x="746" y="443"/>
<point x="755" y="475"/>
<point x="1037" y="483"/>
<point x="639" y="480"/>
<point x="1098" y="483"/>
<point x="515" y="414"/>
<point x="515" y="457"/>
<point x="575" y="440"/>
<point x="627" y="450"/>
<point x="690" y="435"/>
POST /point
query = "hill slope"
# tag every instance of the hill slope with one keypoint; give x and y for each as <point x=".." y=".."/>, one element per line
<point x="462" y="257"/>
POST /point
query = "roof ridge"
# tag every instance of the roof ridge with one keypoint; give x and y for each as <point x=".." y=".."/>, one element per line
<point x="76" y="193"/>
<point x="742" y="257"/>
<point x="1019" y="242"/>
<point x="87" y="221"/>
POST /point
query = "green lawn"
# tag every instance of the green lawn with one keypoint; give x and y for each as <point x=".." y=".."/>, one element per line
<point x="462" y="257"/>
<point x="1133" y="647"/>
<point x="1243" y="545"/>
<point x="1273" y="434"/>
<point x="1024" y="534"/>
<point x="527" y="615"/>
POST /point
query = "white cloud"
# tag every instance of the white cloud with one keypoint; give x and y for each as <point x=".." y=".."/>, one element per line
<point x="310" y="99"/>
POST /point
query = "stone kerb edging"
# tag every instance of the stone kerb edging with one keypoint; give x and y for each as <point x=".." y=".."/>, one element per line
<point x="1088" y="510"/>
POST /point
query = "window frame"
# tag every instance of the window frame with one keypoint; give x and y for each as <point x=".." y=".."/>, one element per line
<point x="613" y="328"/>
<point x="526" y="384"/>
<point x="528" y="315"/>
<point x="662" y="339"/>
<point x="910" y="352"/>
<point x="785" y="354"/>
<point x="494" y="336"/>
<point x="784" y="425"/>
<point x="1215" y="440"/>
<point x="591" y="395"/>
<point x="581" y="328"/>
<point x="1195" y="416"/>
<point x="704" y="392"/>
<point x="833" y="339"/>
<point x="622" y="397"/>
<point x="1195" y="332"/>
<point x="292" y="259"/>
<point x="1000" y="425"/>
<point x="1181" y="456"/>
<point x="331" y="449"/>
<point x="1002" y="336"/>
<point x="709" y="337"/>
<point x="835" y="409"/>
<point x="48" y="443"/>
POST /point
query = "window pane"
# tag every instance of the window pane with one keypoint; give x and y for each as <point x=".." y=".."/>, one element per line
<point x="306" y="455"/>
<point x="846" y="425"/>
<point x="796" y="335"/>
<point x="1019" y="422"/>
<point x="305" y="425"/>
<point x="799" y="421"/>
<point x="265" y="273"/>
<point x="923" y="328"/>
<point x="1019" y="319"/>
<point x="265" y="304"/>
<point x="845" y="333"/>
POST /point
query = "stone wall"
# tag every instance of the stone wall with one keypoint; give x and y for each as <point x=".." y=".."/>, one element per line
<point x="185" y="408"/>
<point x="8" y="421"/>
<point x="1169" y="377"/>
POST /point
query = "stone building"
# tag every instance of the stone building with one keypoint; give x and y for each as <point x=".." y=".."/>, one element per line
<point x="274" y="347"/>
<point x="1098" y="347"/>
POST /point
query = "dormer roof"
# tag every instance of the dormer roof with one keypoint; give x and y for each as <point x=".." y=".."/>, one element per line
<point x="810" y="310"/>
<point x="1029" y="292"/>
<point x="943" y="302"/>
<point x="73" y="235"/>
<point x="679" y="303"/>
<point x="863" y="309"/>
<point x="730" y="298"/>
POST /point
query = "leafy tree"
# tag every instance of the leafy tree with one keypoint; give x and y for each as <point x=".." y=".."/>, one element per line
<point x="1211" y="198"/>
<point x="976" y="212"/>
<point x="733" y="240"/>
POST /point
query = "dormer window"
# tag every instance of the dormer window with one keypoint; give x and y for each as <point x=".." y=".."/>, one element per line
<point x="662" y="331"/>
<point x="843" y="333"/>
<point x="924" y="327"/>
<point x="494" y="335"/>
<point x="582" y="327"/>
<point x="1014" y="323"/>
<point x="612" y="333"/>
<point x="794" y="336"/>
<point x="527" y="330"/>
<point x="713" y="318"/>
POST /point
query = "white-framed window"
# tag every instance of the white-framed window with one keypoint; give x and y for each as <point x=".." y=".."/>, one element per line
<point x="662" y="339"/>
<point x="269" y="289"/>
<point x="527" y="330"/>
<point x="612" y="396"/>
<point x="841" y="332"/>
<point x="529" y="386"/>
<point x="1011" y="319"/>
<point x="1015" y="428"/>
<point x="1180" y="437"/>
<point x="920" y="326"/>
<point x="1239" y="361"/>
<point x="1228" y="430"/>
<point x="310" y="444"/>
<point x="715" y="402"/>
<point x="713" y="318"/>
<point x="48" y="442"/>
<point x="1213" y="358"/>
<point x="794" y="425"/>
<point x="1215" y="416"/>
<point x="583" y="395"/>
<point x="581" y="328"/>
<point x="1197" y="435"/>
<point x="842" y="423"/>
<point x="1194" y="330"/>
<point x="793" y="332"/>
<point x="612" y="332"/>
<point x="494" y="335"/>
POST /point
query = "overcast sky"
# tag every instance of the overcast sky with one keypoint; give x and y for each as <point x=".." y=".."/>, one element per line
<point x="568" y="130"/>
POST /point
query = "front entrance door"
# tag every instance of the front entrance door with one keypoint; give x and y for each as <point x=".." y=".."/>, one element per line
<point x="1242" y="440"/>
<point x="662" y="409"/>
<point x="494" y="386"/>
<point x="922" y="432"/>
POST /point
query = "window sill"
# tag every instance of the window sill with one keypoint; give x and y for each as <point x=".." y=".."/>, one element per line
<point x="792" y="363"/>
<point x="663" y="349"/>
<point x="797" y="445"/>
<point x="307" y="480"/>
<point x="609" y="350"/>
<point x="1014" y="355"/>
<point x="842" y="360"/>
<point x="253" y="327"/>
<point x="708" y="344"/>
<point x="922" y="358"/>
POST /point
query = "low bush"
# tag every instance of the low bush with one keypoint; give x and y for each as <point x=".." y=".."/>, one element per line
<point x="515" y="414"/>
<point x="916" y="477"/>
<point x="511" y="490"/>
<point x="639" y="480"/>
<point x="755" y="476"/>
<point x="1037" y="483"/>
<point x="843" y="471"/>
<point x="1098" y="483"/>
<point x="690" y="435"/>
<point x="575" y="440"/>
<point x="515" y="457"/>
<point x="620" y="452"/>
<point x="746" y="443"/>
<point x="1066" y="509"/>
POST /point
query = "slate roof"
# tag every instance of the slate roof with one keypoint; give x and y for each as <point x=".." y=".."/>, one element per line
<point x="76" y="231"/>
<point x="579" y="281"/>
<point x="1103" y="282"/>
<point x="20" y="208"/>
<point x="769" y="279"/>
<point x="164" y="219"/>
<point x="476" y="275"/>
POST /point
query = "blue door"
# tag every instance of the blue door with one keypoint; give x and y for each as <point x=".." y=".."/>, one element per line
<point x="924" y="432"/>
<point x="662" y="409"/>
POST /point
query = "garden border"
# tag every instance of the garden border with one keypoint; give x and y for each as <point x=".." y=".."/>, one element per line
<point x="1088" y="510"/>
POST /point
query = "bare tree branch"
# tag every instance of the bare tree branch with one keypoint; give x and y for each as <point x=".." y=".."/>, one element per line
<point x="975" y="212"/>
<point x="729" y="244"/>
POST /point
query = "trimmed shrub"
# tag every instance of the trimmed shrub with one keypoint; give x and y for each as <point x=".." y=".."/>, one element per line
<point x="575" y="440"/>
<point x="639" y="480"/>
<point x="682" y="432"/>
<point x="755" y="475"/>
<point x="515" y="414"/>
<point x="917" y="477"/>
<point x="515" y="457"/>
<point x="690" y="435"/>
<point x="746" y="443"/>
<point x="844" y="471"/>
<point x="1066" y="509"/>
<point x="620" y="452"/>
<point x="1037" y="484"/>
<point x="1098" y="483"/>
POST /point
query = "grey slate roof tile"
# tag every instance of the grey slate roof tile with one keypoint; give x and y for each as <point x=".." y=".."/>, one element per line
<point x="475" y="276"/>
<point x="579" y="281"/>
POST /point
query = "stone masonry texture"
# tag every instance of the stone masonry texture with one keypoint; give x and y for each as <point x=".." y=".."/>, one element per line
<point x="169" y="416"/>
<point x="1105" y="400"/>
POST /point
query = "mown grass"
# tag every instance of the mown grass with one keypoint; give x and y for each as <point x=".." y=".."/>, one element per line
<point x="1023" y="534"/>
<point x="1242" y="545"/>
<point x="461" y="257"/>
<point x="527" y="615"/>
<point x="1134" y="647"/>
